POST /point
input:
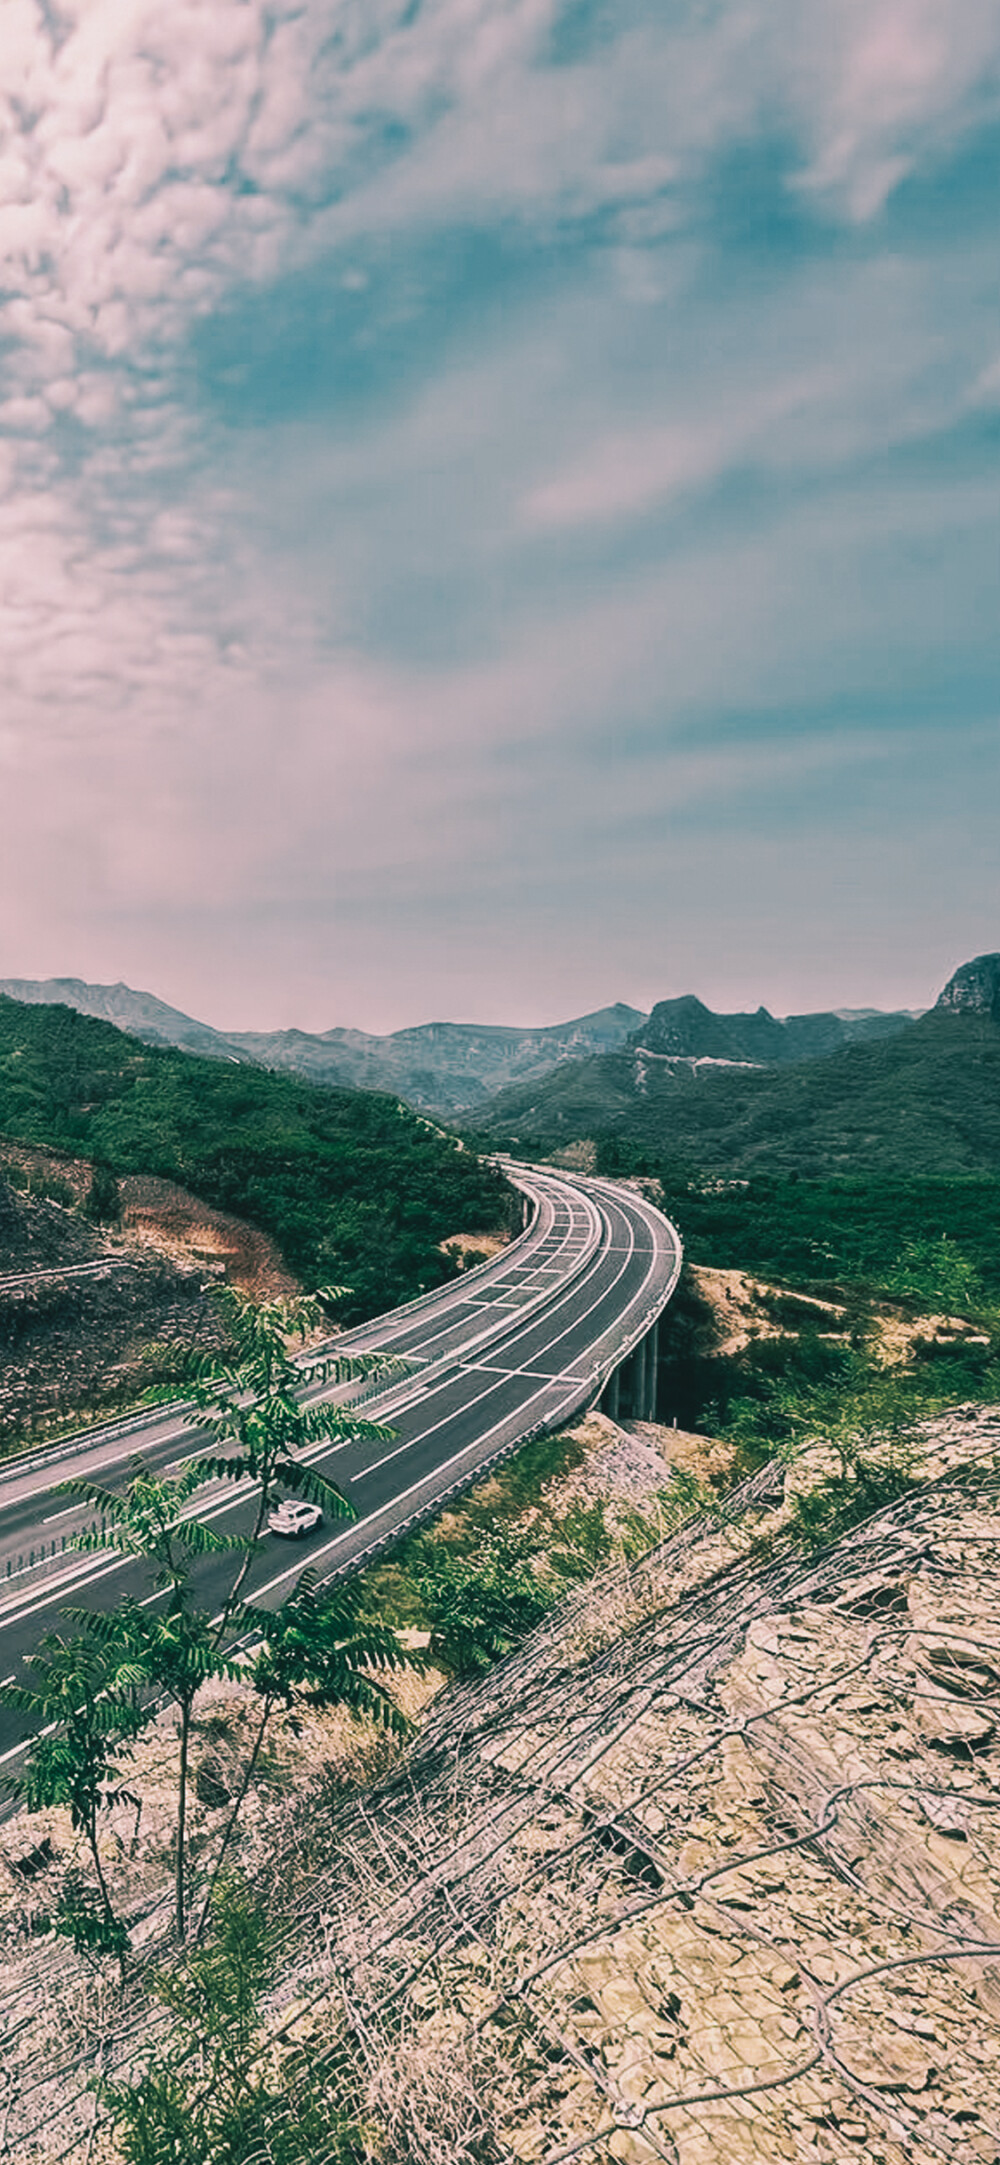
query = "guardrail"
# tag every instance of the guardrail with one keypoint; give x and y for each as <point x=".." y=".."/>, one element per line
<point x="622" y="1344"/>
<point x="102" y="1266"/>
<point x="45" y="1559"/>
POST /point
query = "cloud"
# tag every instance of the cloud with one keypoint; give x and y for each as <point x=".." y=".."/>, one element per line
<point x="158" y="152"/>
<point x="878" y="85"/>
<point x="404" y="470"/>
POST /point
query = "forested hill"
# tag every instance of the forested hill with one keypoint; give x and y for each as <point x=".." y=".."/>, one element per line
<point x="925" y="1101"/>
<point x="353" y="1187"/>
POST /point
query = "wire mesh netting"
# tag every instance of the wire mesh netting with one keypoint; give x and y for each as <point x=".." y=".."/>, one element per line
<point x="707" y="1872"/>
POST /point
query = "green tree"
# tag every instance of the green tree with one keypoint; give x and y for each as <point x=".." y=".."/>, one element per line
<point x="103" y="1201"/>
<point x="937" y="1271"/>
<point x="213" y="2096"/>
<point x="251" y="1400"/>
<point x="169" y="1646"/>
<point x="83" y="1697"/>
<point x="480" y="1605"/>
<point x="317" y="1649"/>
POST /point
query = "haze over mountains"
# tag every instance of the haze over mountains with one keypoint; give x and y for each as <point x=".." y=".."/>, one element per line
<point x="451" y="1068"/>
<point x="437" y="1067"/>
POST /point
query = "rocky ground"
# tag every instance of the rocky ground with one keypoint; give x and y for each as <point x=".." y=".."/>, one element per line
<point x="745" y="1308"/>
<point x="707" y="1872"/>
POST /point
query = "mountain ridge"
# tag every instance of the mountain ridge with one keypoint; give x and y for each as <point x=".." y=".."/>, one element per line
<point x="438" y="1067"/>
<point x="925" y="1097"/>
<point x="686" y="1029"/>
<point x="453" y="1069"/>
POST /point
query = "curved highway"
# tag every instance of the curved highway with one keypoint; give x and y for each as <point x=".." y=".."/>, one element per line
<point x="517" y="1346"/>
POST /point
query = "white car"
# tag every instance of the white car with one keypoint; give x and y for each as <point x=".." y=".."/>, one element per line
<point x="293" y="1518"/>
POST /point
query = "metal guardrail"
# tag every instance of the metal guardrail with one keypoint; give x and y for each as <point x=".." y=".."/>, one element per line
<point x="101" y="1267"/>
<point x="601" y="1370"/>
<point x="181" y="1409"/>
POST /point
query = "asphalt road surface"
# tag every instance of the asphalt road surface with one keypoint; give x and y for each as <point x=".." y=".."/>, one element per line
<point x="519" y="1345"/>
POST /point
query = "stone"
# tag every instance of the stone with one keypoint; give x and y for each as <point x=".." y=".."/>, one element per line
<point x="897" y="2066"/>
<point x="947" y="1814"/>
<point x="951" y="1723"/>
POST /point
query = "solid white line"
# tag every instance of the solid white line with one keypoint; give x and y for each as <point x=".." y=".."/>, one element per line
<point x="524" y="1291"/>
<point x="577" y="1320"/>
<point x="530" y="1323"/>
<point x="316" y="1556"/>
<point x="64" y="1514"/>
<point x="549" y="1193"/>
<point x="56" y="1590"/>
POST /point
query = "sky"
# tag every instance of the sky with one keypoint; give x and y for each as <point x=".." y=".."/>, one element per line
<point x="499" y="502"/>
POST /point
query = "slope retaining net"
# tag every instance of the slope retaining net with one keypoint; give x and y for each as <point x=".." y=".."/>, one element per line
<point x="707" y="1872"/>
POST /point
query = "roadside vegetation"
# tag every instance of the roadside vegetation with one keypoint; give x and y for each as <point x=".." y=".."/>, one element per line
<point x="882" y="1233"/>
<point x="924" y="1101"/>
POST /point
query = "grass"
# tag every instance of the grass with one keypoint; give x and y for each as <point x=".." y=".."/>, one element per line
<point x="505" y="1496"/>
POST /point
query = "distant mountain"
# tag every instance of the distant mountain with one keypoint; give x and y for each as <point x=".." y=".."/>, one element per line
<point x="923" y="1099"/>
<point x="687" y="1030"/>
<point x="441" y="1067"/>
<point x="437" y="1067"/>
<point x="140" y="1013"/>
<point x="353" y="1187"/>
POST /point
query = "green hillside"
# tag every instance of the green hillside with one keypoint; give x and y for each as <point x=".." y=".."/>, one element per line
<point x="924" y="1101"/>
<point x="352" y="1186"/>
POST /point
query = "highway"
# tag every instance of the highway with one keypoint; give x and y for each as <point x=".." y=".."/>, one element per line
<point x="518" y="1345"/>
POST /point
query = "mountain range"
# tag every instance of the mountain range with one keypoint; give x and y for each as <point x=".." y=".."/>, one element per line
<point x="437" y="1067"/>
<point x="848" y="1090"/>
<point x="452" y="1069"/>
<point x="686" y="1029"/>
<point x="921" y="1096"/>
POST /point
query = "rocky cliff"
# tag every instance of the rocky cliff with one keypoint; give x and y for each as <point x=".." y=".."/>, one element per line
<point x="686" y="1029"/>
<point x="974" y="989"/>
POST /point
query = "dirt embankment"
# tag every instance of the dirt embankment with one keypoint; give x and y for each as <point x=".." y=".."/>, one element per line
<point x="80" y="1342"/>
<point x="468" y="1249"/>
<point x="158" y="1216"/>
<point x="746" y="1308"/>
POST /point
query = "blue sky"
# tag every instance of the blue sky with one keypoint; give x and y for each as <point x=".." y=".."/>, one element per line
<point x="498" y="502"/>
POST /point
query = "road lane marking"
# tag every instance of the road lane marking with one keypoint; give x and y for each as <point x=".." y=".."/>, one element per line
<point x="232" y="1496"/>
<point x="574" y="1325"/>
<point x="99" y="1458"/>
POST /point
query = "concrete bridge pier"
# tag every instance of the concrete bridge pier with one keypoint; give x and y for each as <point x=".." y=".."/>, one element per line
<point x="631" y="1392"/>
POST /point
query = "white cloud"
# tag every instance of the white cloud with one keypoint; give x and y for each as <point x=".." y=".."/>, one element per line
<point x="177" y="721"/>
<point x="877" y="81"/>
